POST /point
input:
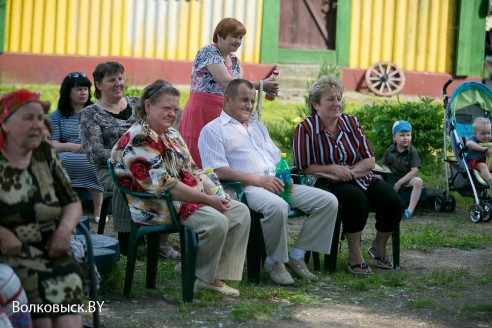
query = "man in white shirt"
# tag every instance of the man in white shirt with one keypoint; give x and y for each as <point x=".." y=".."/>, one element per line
<point x="239" y="148"/>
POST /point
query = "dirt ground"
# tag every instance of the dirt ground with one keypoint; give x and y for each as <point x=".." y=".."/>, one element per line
<point x="338" y="310"/>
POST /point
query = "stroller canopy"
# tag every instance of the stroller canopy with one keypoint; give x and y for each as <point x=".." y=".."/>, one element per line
<point x="469" y="101"/>
<point x="471" y="93"/>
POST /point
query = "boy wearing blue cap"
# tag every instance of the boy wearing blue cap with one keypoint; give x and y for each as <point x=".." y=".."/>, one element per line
<point x="477" y="150"/>
<point x="403" y="160"/>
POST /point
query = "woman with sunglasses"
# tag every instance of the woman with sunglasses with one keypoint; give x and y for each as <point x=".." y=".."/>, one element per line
<point x="101" y="125"/>
<point x="75" y="94"/>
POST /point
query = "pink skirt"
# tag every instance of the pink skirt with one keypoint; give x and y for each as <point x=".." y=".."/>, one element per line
<point x="200" y="109"/>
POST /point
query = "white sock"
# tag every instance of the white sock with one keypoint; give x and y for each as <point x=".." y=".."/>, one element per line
<point x="96" y="218"/>
<point x="270" y="261"/>
<point x="297" y="253"/>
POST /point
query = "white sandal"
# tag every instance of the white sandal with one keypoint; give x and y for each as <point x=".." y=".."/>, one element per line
<point x="169" y="252"/>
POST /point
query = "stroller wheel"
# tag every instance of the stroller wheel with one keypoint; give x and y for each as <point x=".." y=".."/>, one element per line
<point x="476" y="213"/>
<point x="450" y="204"/>
<point x="439" y="203"/>
<point x="487" y="211"/>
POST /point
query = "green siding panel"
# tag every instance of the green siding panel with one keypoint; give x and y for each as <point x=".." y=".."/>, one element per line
<point x="269" y="32"/>
<point x="343" y="32"/>
<point x="470" y="37"/>
<point x="3" y="21"/>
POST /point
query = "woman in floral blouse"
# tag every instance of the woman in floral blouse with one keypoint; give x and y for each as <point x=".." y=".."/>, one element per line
<point x="214" y="66"/>
<point x="101" y="125"/>
<point x="152" y="157"/>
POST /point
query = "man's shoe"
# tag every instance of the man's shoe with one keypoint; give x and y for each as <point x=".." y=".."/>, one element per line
<point x="279" y="274"/>
<point x="300" y="268"/>
<point x="224" y="290"/>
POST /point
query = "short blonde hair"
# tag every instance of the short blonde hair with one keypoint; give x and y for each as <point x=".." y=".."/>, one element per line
<point x="481" y="123"/>
<point x="326" y="82"/>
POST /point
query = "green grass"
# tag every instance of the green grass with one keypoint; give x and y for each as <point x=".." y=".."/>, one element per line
<point x="476" y="311"/>
<point x="424" y="304"/>
<point x="269" y="303"/>
<point x="428" y="235"/>
<point x="253" y="310"/>
<point x="48" y="91"/>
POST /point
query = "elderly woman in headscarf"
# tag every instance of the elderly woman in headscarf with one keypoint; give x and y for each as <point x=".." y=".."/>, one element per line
<point x="38" y="213"/>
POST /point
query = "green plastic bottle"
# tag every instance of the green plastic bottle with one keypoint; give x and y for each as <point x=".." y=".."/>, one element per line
<point x="282" y="172"/>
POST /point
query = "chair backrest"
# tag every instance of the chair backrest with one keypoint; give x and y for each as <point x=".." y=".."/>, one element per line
<point x="165" y="195"/>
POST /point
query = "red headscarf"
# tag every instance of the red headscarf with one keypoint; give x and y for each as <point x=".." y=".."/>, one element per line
<point x="12" y="101"/>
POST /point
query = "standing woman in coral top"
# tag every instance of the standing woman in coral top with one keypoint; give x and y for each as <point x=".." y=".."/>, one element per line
<point x="214" y="66"/>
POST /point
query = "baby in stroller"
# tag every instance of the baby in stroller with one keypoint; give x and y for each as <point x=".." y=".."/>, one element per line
<point x="480" y="148"/>
<point x="467" y="118"/>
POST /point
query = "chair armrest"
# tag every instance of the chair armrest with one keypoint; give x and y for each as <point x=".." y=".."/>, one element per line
<point x="304" y="179"/>
<point x="298" y="178"/>
<point x="165" y="195"/>
<point x="238" y="187"/>
<point x="387" y="176"/>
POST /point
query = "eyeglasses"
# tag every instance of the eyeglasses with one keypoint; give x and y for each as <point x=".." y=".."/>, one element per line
<point x="76" y="75"/>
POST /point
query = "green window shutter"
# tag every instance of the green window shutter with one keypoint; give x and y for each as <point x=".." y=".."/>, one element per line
<point x="470" y="37"/>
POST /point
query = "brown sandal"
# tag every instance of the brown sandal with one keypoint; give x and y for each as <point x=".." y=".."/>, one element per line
<point x="363" y="266"/>
<point x="380" y="259"/>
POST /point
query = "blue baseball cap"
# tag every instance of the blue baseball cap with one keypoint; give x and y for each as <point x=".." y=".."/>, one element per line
<point x="400" y="126"/>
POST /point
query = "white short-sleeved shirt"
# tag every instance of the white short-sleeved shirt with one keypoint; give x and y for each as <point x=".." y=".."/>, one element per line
<point x="224" y="142"/>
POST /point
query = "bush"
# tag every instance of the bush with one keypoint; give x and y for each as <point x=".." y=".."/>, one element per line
<point x="426" y="118"/>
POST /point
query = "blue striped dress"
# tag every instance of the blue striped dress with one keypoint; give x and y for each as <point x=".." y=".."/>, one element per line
<point x="81" y="172"/>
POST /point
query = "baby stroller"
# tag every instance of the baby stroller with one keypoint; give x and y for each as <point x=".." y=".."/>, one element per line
<point x="468" y="101"/>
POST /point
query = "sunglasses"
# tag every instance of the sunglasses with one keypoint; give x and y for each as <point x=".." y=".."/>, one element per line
<point x="76" y="75"/>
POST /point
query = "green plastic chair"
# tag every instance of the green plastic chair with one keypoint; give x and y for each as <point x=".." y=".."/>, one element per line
<point x="91" y="280"/>
<point x="188" y="243"/>
<point x="106" y="208"/>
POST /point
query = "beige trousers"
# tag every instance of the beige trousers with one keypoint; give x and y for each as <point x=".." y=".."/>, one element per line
<point x="222" y="241"/>
<point x="316" y="234"/>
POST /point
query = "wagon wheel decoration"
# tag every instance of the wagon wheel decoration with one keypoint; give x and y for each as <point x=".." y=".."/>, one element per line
<point x="385" y="79"/>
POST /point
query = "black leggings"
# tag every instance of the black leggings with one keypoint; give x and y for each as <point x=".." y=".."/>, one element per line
<point x="356" y="203"/>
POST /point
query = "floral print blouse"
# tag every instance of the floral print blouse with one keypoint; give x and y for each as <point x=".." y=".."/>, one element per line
<point x="144" y="163"/>
<point x="201" y="79"/>
<point x="100" y="130"/>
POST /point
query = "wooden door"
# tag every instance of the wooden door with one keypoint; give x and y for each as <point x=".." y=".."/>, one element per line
<point x="307" y="24"/>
